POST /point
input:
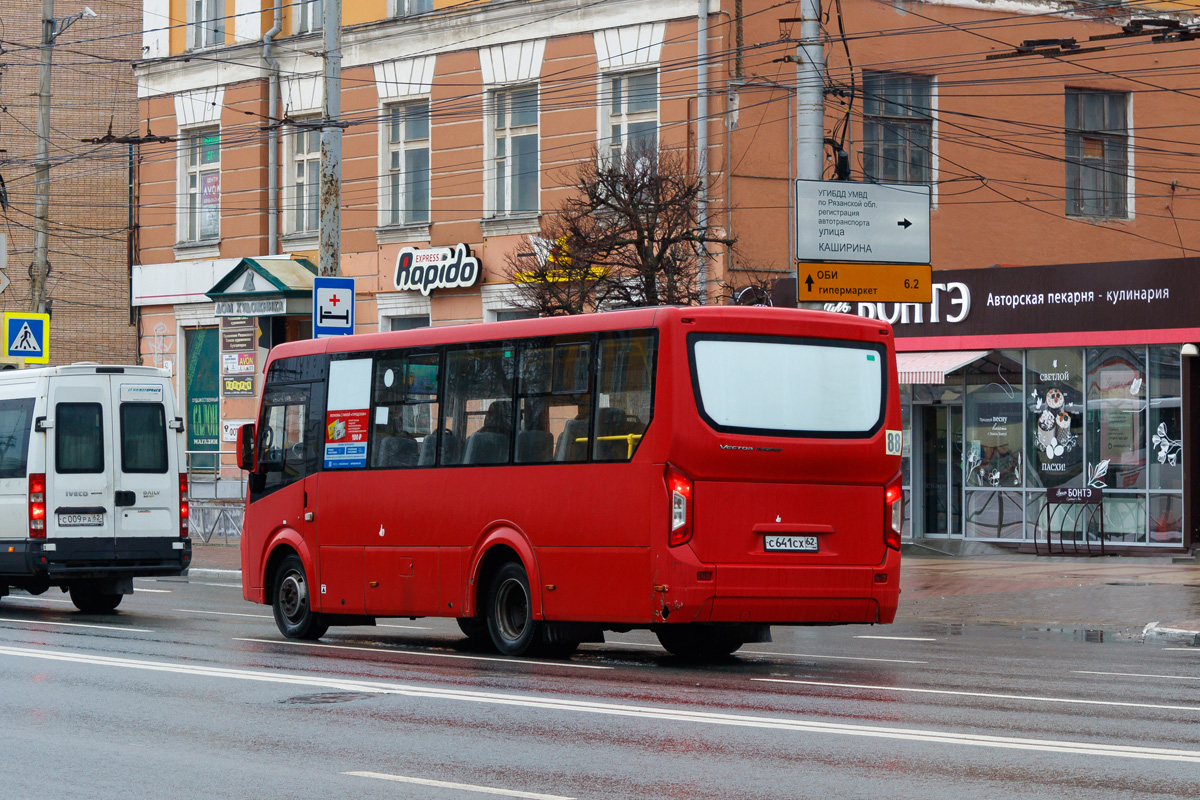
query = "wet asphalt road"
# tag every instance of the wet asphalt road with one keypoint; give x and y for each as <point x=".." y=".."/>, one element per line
<point x="190" y="692"/>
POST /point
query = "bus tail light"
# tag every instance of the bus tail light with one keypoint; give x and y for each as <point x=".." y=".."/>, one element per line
<point x="37" y="506"/>
<point x="183" y="504"/>
<point x="893" y="514"/>
<point x="680" y="487"/>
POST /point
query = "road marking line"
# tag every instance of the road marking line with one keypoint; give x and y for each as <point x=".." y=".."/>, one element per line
<point x="624" y="710"/>
<point x="899" y="638"/>
<point x="153" y="591"/>
<point x="38" y="598"/>
<point x="74" y="625"/>
<point x="1184" y="649"/>
<point x="403" y="652"/>
<point x="989" y="695"/>
<point x="218" y="572"/>
<point x="1138" y="675"/>
<point x="226" y="585"/>
<point x="405" y="627"/>
<point x="465" y="787"/>
<point x="223" y="613"/>
<point x="784" y="655"/>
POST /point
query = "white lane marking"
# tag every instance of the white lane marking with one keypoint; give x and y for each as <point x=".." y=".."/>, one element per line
<point x="152" y="591"/>
<point x="783" y="655"/>
<point x="218" y="573"/>
<point x="1195" y="650"/>
<point x="223" y="613"/>
<point x="1138" y="675"/>
<point x="227" y="585"/>
<point x="899" y="638"/>
<point x="622" y="710"/>
<point x="406" y="627"/>
<point x="399" y="651"/>
<point x="988" y="695"/>
<point x="463" y="787"/>
<point x="37" y="599"/>
<point x="74" y="625"/>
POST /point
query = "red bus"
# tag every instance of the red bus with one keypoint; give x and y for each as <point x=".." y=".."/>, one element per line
<point x="702" y="472"/>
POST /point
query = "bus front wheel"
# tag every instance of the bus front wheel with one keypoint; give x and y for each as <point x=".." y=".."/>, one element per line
<point x="510" y="611"/>
<point x="698" y="643"/>
<point x="291" y="602"/>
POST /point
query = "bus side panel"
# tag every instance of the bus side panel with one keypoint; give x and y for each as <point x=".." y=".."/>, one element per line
<point x="341" y="588"/>
<point x="596" y="584"/>
<point x="402" y="580"/>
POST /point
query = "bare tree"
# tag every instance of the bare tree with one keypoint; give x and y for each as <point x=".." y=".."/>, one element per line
<point x="629" y="234"/>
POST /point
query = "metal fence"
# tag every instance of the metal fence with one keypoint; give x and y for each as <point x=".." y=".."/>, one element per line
<point x="216" y="494"/>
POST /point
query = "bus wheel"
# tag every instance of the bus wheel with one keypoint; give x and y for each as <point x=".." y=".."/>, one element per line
<point x="696" y="643"/>
<point x="293" y="612"/>
<point x="475" y="629"/>
<point x="509" y="611"/>
<point x="90" y="600"/>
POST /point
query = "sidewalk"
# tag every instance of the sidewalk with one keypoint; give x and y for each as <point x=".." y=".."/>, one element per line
<point x="1131" y="597"/>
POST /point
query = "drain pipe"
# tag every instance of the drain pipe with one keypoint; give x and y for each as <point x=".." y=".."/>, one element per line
<point x="702" y="142"/>
<point x="273" y="129"/>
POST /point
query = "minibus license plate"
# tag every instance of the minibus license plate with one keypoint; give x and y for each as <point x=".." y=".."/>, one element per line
<point x="79" y="520"/>
<point x="790" y="544"/>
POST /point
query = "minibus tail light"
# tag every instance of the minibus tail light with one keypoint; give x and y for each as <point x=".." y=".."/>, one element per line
<point x="680" y="487"/>
<point x="37" y="506"/>
<point x="893" y="514"/>
<point x="183" y="504"/>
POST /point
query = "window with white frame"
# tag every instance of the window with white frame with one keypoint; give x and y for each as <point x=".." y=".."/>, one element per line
<point x="206" y="23"/>
<point x="306" y="16"/>
<point x="515" y="150"/>
<point x="405" y="8"/>
<point x="897" y="127"/>
<point x="304" y="178"/>
<point x="630" y="103"/>
<point x="408" y="163"/>
<point x="1097" y="141"/>
<point x="201" y="217"/>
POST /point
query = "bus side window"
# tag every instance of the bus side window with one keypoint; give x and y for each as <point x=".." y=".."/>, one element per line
<point x="282" y="439"/>
<point x="625" y="394"/>
<point x="554" y="420"/>
<point x="404" y="427"/>
<point x="479" y="409"/>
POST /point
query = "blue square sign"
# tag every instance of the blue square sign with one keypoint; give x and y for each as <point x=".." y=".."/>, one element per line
<point x="333" y="306"/>
<point x="27" y="336"/>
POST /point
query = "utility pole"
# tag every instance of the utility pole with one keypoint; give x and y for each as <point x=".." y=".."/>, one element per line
<point x="329" y="256"/>
<point x="810" y="98"/>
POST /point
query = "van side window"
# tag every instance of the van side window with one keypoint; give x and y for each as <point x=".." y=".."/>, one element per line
<point x="78" y="438"/>
<point x="625" y="393"/>
<point x="143" y="437"/>
<point x="15" y="421"/>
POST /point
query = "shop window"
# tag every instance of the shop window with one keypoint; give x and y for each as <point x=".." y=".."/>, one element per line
<point x="408" y="163"/>
<point x="1166" y="519"/>
<point x="201" y="217"/>
<point x="1097" y="145"/>
<point x="1116" y="424"/>
<point x="1166" y="420"/>
<point x="1054" y="417"/>
<point x="994" y="430"/>
<point x="206" y="23"/>
<point x="514" y="151"/>
<point x="994" y="515"/>
<point x="897" y="127"/>
<point x="1124" y="519"/>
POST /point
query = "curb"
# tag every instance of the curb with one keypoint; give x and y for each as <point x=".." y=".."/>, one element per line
<point x="1171" y="635"/>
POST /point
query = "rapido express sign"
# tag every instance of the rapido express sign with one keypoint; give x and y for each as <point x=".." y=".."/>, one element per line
<point x="436" y="268"/>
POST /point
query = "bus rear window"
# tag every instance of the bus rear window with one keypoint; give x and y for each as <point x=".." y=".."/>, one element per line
<point x="78" y="438"/>
<point x="788" y="387"/>
<point x="143" y="437"/>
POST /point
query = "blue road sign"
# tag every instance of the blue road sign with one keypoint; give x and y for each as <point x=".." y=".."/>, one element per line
<point x="27" y="336"/>
<point x="333" y="306"/>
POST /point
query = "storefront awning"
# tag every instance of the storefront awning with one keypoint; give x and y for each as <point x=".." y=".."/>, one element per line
<point x="931" y="368"/>
<point x="258" y="287"/>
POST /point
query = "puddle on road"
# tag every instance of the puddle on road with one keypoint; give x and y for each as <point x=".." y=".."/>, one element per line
<point x="324" y="698"/>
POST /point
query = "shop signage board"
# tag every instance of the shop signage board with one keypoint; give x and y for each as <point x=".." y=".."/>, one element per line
<point x="333" y="306"/>
<point x="862" y="222"/>
<point x="250" y="308"/>
<point x="436" y="268"/>
<point x="238" y="350"/>
<point x="1086" y="495"/>
<point x="889" y="283"/>
<point x="237" y="385"/>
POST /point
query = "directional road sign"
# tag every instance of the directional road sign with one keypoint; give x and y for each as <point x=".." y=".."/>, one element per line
<point x="862" y="222"/>
<point x="333" y="306"/>
<point x="871" y="283"/>
<point x="27" y="336"/>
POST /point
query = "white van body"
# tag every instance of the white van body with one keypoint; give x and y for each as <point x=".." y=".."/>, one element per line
<point x="105" y="443"/>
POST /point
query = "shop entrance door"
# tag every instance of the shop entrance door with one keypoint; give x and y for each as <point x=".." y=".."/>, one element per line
<point x="937" y="470"/>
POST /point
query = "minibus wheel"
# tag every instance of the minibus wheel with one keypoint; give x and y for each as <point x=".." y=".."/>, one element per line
<point x="510" y="610"/>
<point x="290" y="601"/>
<point x="696" y="643"/>
<point x="475" y="629"/>
<point x="90" y="600"/>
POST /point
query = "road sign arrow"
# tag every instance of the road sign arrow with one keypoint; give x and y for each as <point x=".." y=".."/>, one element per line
<point x="904" y="224"/>
<point x="4" y="282"/>
<point x="809" y="281"/>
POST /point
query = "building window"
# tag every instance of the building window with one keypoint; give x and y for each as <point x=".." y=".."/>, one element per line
<point x="408" y="163"/>
<point x="897" y="127"/>
<point x="405" y="8"/>
<point x="202" y="177"/>
<point x="1097" y="153"/>
<point x="206" y="23"/>
<point x="515" y="151"/>
<point x="631" y="111"/>
<point x="408" y="323"/>
<point x="304" y="179"/>
<point x="307" y="16"/>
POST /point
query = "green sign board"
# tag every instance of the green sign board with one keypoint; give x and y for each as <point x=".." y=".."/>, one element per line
<point x="203" y="395"/>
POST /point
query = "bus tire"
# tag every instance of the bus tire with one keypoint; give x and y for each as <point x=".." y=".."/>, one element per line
<point x="696" y="643"/>
<point x="475" y="629"/>
<point x="290" y="602"/>
<point x="90" y="600"/>
<point x="509" y="611"/>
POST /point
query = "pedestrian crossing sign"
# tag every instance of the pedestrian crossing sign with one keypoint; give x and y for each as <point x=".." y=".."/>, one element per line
<point x="27" y="336"/>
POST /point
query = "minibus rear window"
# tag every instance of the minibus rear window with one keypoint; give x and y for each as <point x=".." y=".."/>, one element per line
<point x="15" y="419"/>
<point x="778" y="386"/>
<point x="78" y="438"/>
<point x="143" y="438"/>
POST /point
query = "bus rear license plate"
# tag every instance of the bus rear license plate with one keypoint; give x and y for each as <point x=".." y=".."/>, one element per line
<point x="79" y="520"/>
<point x="790" y="544"/>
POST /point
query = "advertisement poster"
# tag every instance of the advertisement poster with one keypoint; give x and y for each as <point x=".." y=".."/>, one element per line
<point x="203" y="402"/>
<point x="238" y="343"/>
<point x="237" y="363"/>
<point x="210" y="204"/>
<point x="237" y="385"/>
<point x="346" y="422"/>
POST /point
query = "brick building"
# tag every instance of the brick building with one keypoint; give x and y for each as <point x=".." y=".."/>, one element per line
<point x="94" y="91"/>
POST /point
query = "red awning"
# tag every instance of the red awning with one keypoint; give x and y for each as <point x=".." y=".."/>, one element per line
<point x="931" y="368"/>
